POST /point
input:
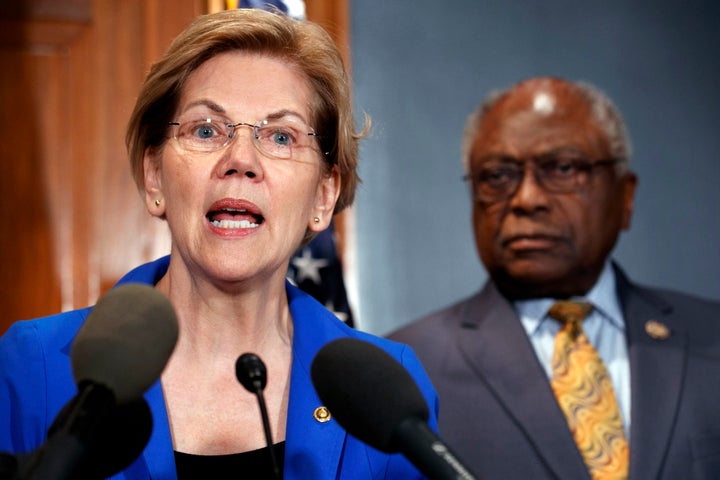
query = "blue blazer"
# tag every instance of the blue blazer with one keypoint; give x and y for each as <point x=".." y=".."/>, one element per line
<point x="499" y="414"/>
<point x="36" y="381"/>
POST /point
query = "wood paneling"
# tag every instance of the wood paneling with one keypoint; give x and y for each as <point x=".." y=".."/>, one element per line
<point x="72" y="218"/>
<point x="334" y="17"/>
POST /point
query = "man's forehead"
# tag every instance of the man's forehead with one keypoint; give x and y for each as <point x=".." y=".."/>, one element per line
<point x="538" y="115"/>
<point x="542" y="96"/>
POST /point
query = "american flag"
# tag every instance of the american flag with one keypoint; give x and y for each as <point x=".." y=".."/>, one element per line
<point x="316" y="269"/>
<point x="291" y="8"/>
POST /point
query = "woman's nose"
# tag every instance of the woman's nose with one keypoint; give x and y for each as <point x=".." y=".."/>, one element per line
<point x="241" y="155"/>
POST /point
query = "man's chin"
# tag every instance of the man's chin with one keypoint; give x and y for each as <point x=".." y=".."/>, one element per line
<point x="537" y="281"/>
<point x="537" y="272"/>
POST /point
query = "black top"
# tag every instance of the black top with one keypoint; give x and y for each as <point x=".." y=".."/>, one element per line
<point x="255" y="464"/>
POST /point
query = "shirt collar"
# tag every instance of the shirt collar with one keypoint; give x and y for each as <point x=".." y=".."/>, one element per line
<point x="602" y="295"/>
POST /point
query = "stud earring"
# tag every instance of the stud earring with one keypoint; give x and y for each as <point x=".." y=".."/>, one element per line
<point x="316" y="220"/>
<point x="157" y="202"/>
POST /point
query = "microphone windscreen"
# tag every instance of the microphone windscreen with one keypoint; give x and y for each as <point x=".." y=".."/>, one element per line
<point x="126" y="340"/>
<point x="366" y="390"/>
<point x="251" y="372"/>
<point x="119" y="438"/>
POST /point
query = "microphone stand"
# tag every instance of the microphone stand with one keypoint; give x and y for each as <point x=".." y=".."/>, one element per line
<point x="268" y="436"/>
<point x="251" y="373"/>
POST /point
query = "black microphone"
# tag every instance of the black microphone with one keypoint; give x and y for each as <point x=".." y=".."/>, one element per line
<point x="117" y="355"/>
<point x="375" y="399"/>
<point x="9" y="465"/>
<point x="126" y="341"/>
<point x="252" y="374"/>
<point x="120" y="438"/>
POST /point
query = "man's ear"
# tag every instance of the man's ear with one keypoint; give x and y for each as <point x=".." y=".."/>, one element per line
<point x="152" y="169"/>
<point x="628" y="192"/>
<point x="327" y="195"/>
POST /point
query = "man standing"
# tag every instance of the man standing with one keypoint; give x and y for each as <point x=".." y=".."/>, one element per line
<point x="561" y="367"/>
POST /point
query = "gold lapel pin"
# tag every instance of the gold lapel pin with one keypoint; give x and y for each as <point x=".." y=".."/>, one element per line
<point x="657" y="330"/>
<point x="322" y="414"/>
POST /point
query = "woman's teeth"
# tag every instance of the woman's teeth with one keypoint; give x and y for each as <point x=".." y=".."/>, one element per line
<point x="234" y="224"/>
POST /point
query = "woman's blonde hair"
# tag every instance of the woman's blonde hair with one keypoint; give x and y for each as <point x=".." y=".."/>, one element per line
<point x="302" y="44"/>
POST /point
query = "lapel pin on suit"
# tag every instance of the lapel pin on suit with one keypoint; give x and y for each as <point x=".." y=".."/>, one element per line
<point x="322" y="414"/>
<point x="657" y="330"/>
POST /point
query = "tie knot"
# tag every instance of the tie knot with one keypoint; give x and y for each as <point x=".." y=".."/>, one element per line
<point x="568" y="311"/>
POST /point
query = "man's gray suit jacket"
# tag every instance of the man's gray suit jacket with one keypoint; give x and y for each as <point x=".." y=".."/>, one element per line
<point x="498" y="412"/>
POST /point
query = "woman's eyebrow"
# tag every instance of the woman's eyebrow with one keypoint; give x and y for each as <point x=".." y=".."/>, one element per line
<point x="285" y="113"/>
<point x="206" y="103"/>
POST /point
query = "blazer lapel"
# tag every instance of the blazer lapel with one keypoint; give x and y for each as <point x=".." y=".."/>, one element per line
<point x="657" y="346"/>
<point x="313" y="448"/>
<point x="510" y="369"/>
<point x="157" y="460"/>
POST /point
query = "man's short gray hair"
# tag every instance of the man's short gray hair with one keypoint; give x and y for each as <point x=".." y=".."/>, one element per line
<point x="606" y="115"/>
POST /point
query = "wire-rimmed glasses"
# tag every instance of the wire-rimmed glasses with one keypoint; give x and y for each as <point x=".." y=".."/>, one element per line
<point x="498" y="178"/>
<point x="275" y="137"/>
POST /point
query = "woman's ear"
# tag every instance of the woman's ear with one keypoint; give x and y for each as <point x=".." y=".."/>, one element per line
<point x="327" y="195"/>
<point x="154" y="201"/>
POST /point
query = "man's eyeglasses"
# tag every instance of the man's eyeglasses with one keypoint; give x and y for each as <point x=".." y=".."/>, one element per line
<point x="276" y="138"/>
<point x="498" y="179"/>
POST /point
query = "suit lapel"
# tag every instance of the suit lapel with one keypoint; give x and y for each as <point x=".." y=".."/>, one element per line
<point x="157" y="460"/>
<point x="304" y="433"/>
<point x="657" y="367"/>
<point x="513" y="374"/>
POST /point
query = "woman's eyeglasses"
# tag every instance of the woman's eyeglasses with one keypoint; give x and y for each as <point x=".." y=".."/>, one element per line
<point x="276" y="138"/>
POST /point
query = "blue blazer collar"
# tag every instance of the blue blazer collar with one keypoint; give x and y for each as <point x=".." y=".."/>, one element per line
<point x="312" y="448"/>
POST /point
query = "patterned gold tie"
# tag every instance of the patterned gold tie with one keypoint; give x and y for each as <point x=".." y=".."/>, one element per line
<point x="585" y="394"/>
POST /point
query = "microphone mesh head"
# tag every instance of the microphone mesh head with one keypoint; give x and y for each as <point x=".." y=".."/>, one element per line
<point x="126" y="341"/>
<point x="251" y="372"/>
<point x="366" y="390"/>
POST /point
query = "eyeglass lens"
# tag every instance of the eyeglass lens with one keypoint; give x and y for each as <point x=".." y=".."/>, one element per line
<point x="498" y="179"/>
<point x="275" y="137"/>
